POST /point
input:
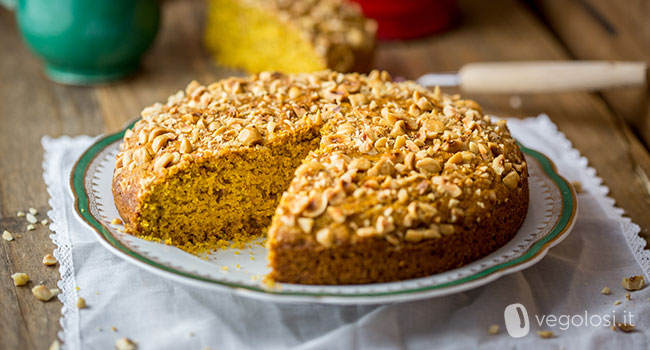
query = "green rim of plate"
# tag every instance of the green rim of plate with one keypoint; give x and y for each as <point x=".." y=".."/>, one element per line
<point x="569" y="206"/>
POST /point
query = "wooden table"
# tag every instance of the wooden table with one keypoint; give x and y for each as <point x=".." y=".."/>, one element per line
<point x="607" y="128"/>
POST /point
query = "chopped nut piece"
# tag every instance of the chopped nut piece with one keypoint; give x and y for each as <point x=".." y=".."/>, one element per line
<point x="45" y="222"/>
<point x="633" y="283"/>
<point x="447" y="229"/>
<point x="606" y="291"/>
<point x="457" y="158"/>
<point x="577" y="186"/>
<point x="31" y="227"/>
<point x="20" y="278"/>
<point x="55" y="345"/>
<point x="511" y="180"/>
<point x="494" y="329"/>
<point x="428" y="165"/>
<point x="20" y="214"/>
<point x="31" y="218"/>
<point x="316" y="205"/>
<point x="325" y="237"/>
<point x="125" y="344"/>
<point x="43" y="293"/>
<point x="33" y="211"/>
<point x="49" y="260"/>
<point x="116" y="221"/>
<point x="498" y="164"/>
<point x="367" y="232"/>
<point x="627" y="296"/>
<point x="306" y="224"/>
<point x="7" y="236"/>
<point x="249" y="136"/>
<point x="81" y="303"/>
<point x="546" y="334"/>
<point x="617" y="302"/>
<point x="626" y="327"/>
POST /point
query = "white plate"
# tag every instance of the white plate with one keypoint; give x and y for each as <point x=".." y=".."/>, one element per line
<point x="551" y="215"/>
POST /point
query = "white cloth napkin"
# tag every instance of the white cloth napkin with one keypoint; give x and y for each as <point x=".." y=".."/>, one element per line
<point x="161" y="314"/>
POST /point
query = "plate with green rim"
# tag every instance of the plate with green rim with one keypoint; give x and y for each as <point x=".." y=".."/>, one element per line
<point x="551" y="215"/>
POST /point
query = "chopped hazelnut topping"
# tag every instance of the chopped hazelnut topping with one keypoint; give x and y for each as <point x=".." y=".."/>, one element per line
<point x="606" y="291"/>
<point x="20" y="278"/>
<point x="49" y="260"/>
<point x="7" y="236"/>
<point x="625" y="327"/>
<point x="81" y="303"/>
<point x="633" y="283"/>
<point x="43" y="293"/>
<point x="31" y="218"/>
<point x="546" y="334"/>
<point x="125" y="344"/>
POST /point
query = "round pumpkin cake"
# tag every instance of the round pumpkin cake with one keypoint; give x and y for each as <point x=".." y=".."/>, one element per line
<point x="353" y="178"/>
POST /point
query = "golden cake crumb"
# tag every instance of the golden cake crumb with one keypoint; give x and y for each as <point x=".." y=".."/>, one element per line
<point x="81" y="303"/>
<point x="605" y="290"/>
<point x="43" y="293"/>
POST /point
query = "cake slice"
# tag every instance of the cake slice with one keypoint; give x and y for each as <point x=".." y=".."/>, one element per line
<point x="290" y="36"/>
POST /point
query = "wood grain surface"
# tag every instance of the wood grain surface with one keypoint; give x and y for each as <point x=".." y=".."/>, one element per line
<point x="607" y="128"/>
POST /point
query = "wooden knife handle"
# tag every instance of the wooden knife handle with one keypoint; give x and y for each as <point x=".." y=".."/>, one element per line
<point x="550" y="76"/>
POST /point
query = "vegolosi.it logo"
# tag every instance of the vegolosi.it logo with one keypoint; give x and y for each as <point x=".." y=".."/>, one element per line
<point x="518" y="323"/>
<point x="516" y="319"/>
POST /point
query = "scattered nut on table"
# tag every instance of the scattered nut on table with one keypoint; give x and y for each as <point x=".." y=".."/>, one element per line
<point x="43" y="293"/>
<point x="494" y="329"/>
<point x="55" y="345"/>
<point x="31" y="218"/>
<point x="625" y="327"/>
<point x="33" y="211"/>
<point x="81" y="303"/>
<point x="7" y="236"/>
<point x="20" y="278"/>
<point x="605" y="290"/>
<point x="49" y="260"/>
<point x="125" y="344"/>
<point x="20" y="214"/>
<point x="31" y="227"/>
<point x="633" y="283"/>
<point x="116" y="221"/>
<point x="546" y="334"/>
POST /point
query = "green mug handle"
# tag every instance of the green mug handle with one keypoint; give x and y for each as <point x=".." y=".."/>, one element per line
<point x="8" y="4"/>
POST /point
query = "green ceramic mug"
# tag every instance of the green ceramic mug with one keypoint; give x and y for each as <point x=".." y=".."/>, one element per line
<point x="87" y="41"/>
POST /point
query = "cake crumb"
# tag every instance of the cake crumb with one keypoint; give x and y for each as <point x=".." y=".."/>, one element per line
<point x="494" y="329"/>
<point x="125" y="344"/>
<point x="605" y="290"/>
<point x="77" y="288"/>
<point x="546" y="334"/>
<point x="20" y="278"/>
<point x="81" y="303"/>
<point x="49" y="260"/>
<point x="617" y="302"/>
<point x="31" y="227"/>
<point x="7" y="236"/>
<point x="116" y="221"/>
<point x="224" y="268"/>
<point x="628" y="296"/>
<point x="625" y="327"/>
<point x="633" y="283"/>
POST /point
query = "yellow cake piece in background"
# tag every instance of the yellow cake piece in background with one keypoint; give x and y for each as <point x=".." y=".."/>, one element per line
<point x="290" y="36"/>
